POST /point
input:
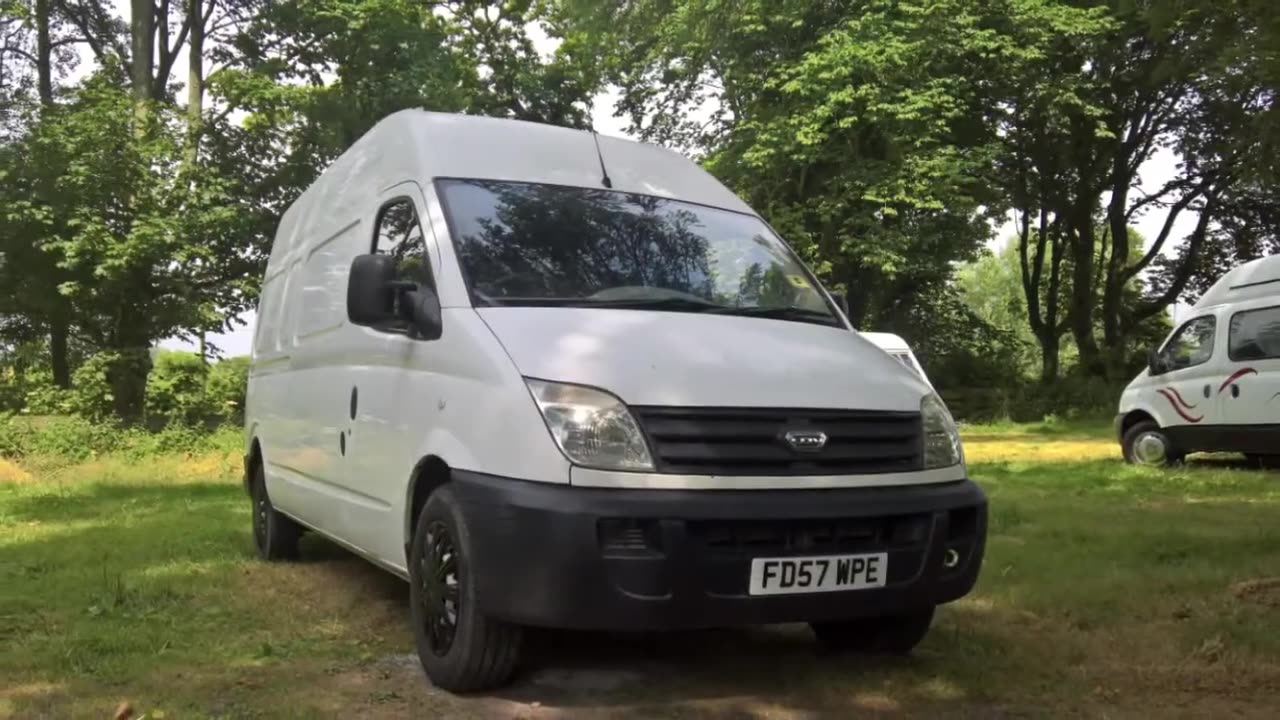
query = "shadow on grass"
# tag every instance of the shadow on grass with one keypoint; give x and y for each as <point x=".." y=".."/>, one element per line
<point x="162" y="578"/>
<point x="109" y="501"/>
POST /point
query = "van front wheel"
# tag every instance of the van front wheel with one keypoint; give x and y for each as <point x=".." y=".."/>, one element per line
<point x="1146" y="444"/>
<point x="274" y="534"/>
<point x="884" y="635"/>
<point x="460" y="648"/>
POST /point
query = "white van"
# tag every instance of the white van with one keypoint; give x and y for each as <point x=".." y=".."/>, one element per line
<point x="899" y="350"/>
<point x="555" y="379"/>
<point x="1214" y="385"/>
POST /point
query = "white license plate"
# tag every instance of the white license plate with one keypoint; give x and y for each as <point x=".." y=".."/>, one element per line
<point x="824" y="573"/>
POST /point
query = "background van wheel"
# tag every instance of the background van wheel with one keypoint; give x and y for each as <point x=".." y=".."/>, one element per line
<point x="274" y="534"/>
<point x="460" y="648"/>
<point x="887" y="635"/>
<point x="1262" y="462"/>
<point x="1146" y="444"/>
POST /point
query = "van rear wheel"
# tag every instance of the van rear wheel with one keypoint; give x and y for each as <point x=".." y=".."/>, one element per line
<point x="460" y="649"/>
<point x="886" y="635"/>
<point x="274" y="534"/>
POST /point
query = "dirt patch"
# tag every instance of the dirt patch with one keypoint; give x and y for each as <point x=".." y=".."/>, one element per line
<point x="1261" y="591"/>
<point x="11" y="473"/>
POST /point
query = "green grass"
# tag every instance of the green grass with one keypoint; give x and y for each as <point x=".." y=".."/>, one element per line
<point x="1107" y="590"/>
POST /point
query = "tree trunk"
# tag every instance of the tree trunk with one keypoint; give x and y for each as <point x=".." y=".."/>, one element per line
<point x="58" y="359"/>
<point x="195" y="79"/>
<point x="142" y="31"/>
<point x="128" y="379"/>
<point x="1082" y="293"/>
<point x="44" y="54"/>
<point x="1049" y="352"/>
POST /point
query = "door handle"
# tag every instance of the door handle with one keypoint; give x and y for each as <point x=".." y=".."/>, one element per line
<point x="1206" y="390"/>
<point x="1235" y="391"/>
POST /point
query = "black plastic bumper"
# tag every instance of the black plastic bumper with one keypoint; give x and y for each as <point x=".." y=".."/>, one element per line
<point x="605" y="559"/>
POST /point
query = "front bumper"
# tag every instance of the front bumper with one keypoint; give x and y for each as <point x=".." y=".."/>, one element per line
<point x="607" y="559"/>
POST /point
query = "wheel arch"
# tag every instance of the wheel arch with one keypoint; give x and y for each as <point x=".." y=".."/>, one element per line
<point x="252" y="460"/>
<point x="1133" y="417"/>
<point x="428" y="474"/>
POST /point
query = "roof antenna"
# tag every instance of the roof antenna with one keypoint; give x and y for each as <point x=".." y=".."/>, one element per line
<point x="604" y="174"/>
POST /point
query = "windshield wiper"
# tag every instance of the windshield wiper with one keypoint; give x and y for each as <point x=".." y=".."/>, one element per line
<point x="667" y="303"/>
<point x="780" y="313"/>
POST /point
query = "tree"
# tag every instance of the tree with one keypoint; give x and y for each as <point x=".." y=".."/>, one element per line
<point x="1099" y="91"/>
<point x="994" y="288"/>
<point x="858" y="129"/>
<point x="140" y="248"/>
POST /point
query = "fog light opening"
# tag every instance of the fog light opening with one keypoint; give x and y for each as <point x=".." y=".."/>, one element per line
<point x="951" y="558"/>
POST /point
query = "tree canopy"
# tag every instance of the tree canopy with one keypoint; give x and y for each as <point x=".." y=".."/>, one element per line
<point x="145" y="160"/>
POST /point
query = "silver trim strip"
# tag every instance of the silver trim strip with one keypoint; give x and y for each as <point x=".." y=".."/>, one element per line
<point x="586" y="477"/>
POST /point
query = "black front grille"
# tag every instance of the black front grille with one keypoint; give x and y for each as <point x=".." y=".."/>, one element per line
<point x="809" y="536"/>
<point x="744" y="441"/>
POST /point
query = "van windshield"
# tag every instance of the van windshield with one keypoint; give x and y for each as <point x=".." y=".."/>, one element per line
<point x="550" y="245"/>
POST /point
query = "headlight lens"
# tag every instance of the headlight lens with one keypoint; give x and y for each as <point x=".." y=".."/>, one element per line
<point x="941" y="438"/>
<point x="592" y="427"/>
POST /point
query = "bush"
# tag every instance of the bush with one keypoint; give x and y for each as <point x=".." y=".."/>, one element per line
<point x="70" y="438"/>
<point x="227" y="386"/>
<point x="1070" y="398"/>
<point x="91" y="394"/>
<point x="42" y="397"/>
<point x="74" y="439"/>
<point x="176" y="390"/>
<point x="14" y="437"/>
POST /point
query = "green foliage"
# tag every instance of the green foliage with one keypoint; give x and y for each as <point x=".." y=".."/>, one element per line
<point x="1075" y="397"/>
<point x="227" y="386"/>
<point x="992" y="287"/>
<point x="855" y="128"/>
<point x="71" y="438"/>
<point x="93" y="397"/>
<point x="45" y="398"/>
<point x="63" y="438"/>
<point x="176" y="389"/>
<point x="955" y="346"/>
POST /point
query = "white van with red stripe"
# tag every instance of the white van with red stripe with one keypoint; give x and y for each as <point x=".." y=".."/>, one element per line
<point x="1214" y="385"/>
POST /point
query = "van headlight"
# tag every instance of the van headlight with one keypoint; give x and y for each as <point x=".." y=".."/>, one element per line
<point x="941" y="438"/>
<point x="592" y="427"/>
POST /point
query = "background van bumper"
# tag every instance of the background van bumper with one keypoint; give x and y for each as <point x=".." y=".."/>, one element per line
<point x="559" y="556"/>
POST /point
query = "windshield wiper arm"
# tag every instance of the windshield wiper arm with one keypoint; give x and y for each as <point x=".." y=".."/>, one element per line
<point x="780" y="313"/>
<point x="668" y="303"/>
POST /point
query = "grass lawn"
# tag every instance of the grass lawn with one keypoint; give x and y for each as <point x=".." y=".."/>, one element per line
<point x="1107" y="591"/>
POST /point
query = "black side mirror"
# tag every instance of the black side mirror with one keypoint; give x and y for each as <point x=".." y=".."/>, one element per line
<point x="841" y="302"/>
<point x="1154" y="366"/>
<point x="375" y="298"/>
<point x="421" y="307"/>
<point x="370" y="295"/>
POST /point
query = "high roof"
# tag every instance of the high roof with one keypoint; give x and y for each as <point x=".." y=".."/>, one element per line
<point x="470" y="146"/>
<point x="1256" y="278"/>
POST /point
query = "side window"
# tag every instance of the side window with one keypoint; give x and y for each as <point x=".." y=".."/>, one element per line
<point x="1254" y="334"/>
<point x="1191" y="345"/>
<point x="399" y="234"/>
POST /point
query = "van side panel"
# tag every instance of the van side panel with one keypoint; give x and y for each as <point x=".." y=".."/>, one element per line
<point x="458" y="398"/>
<point x="345" y="413"/>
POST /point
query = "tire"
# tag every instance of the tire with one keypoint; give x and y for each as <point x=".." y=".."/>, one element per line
<point x="1262" y="462"/>
<point x="460" y="649"/>
<point x="274" y="534"/>
<point x="1141" y="446"/>
<point x="885" y="635"/>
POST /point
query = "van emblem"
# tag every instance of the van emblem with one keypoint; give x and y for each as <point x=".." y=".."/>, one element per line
<point x="805" y="440"/>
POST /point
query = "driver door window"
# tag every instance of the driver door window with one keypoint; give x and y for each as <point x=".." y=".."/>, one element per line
<point x="1192" y="345"/>
<point x="399" y="234"/>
